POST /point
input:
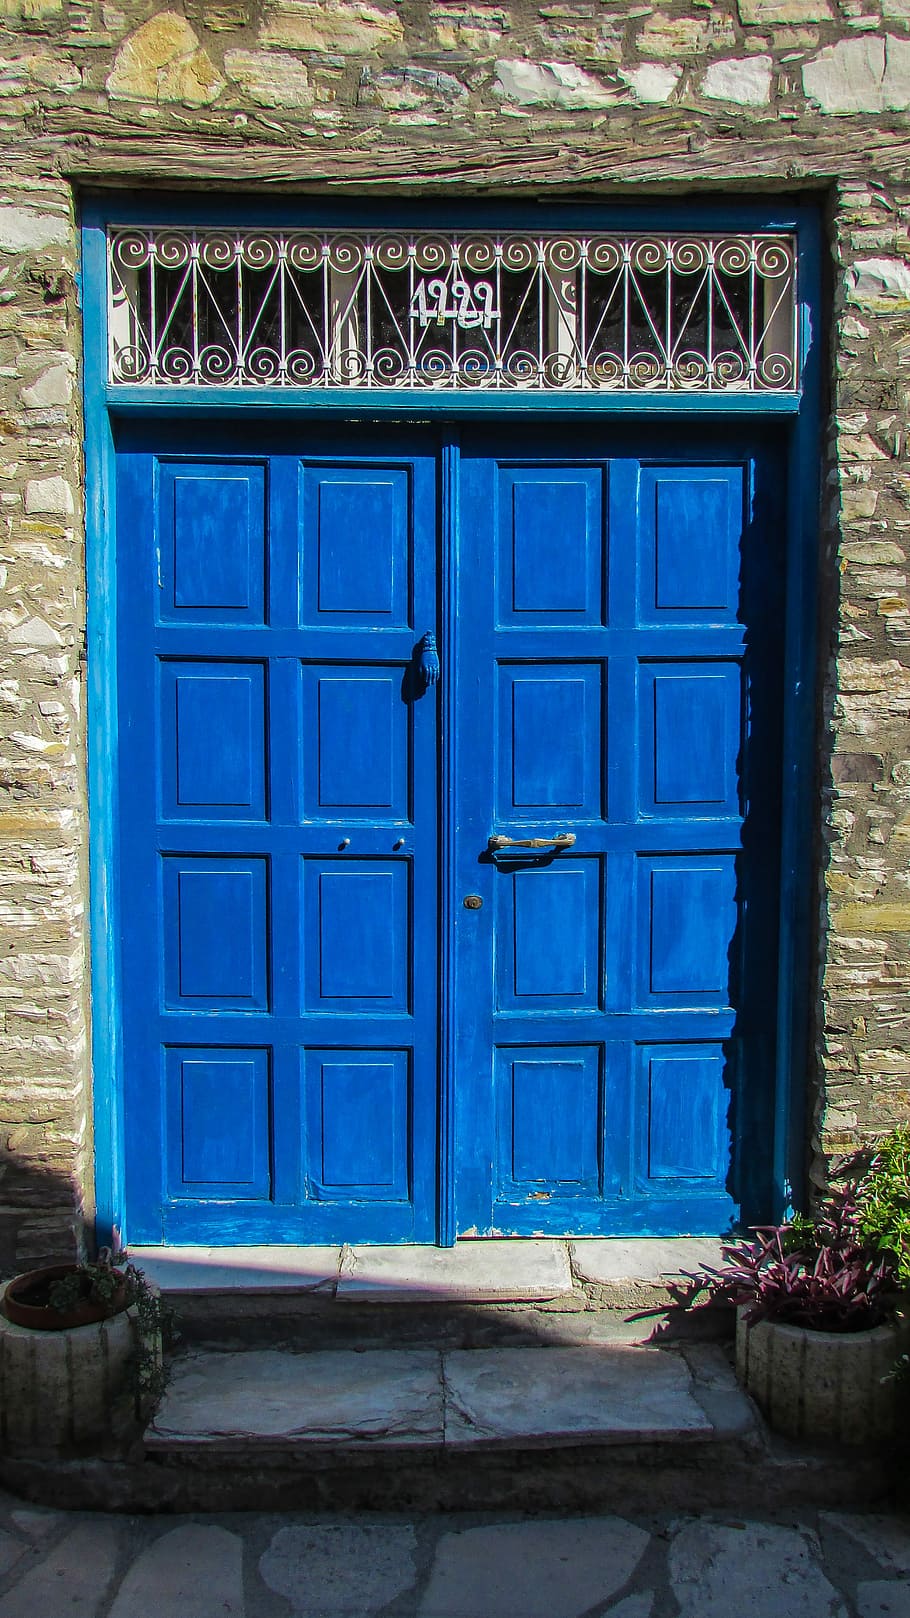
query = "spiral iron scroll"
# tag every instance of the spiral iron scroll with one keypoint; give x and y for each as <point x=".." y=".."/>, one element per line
<point x="569" y="312"/>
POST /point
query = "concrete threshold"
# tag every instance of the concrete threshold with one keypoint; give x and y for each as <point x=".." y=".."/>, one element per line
<point x="475" y="1271"/>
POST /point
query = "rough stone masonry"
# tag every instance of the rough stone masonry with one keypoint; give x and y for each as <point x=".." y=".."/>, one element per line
<point x="590" y="97"/>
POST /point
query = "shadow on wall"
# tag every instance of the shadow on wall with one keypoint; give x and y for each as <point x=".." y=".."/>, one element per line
<point x="42" y="1219"/>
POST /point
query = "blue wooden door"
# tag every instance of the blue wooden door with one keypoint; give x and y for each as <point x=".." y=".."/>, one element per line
<point x="614" y="678"/>
<point x="278" y="835"/>
<point x="619" y="684"/>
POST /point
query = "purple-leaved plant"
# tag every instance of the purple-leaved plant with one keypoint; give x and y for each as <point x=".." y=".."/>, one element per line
<point x="821" y="1274"/>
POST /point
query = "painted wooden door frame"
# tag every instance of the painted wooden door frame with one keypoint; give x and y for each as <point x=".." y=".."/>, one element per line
<point x="102" y="402"/>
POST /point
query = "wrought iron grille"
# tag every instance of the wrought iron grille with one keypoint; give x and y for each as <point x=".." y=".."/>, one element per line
<point x="463" y="310"/>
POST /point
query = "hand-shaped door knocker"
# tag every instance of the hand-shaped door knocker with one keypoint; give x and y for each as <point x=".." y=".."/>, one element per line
<point x="428" y="661"/>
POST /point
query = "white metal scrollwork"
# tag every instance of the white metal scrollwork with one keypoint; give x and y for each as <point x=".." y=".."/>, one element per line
<point x="465" y="310"/>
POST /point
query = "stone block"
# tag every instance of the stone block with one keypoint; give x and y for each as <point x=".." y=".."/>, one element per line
<point x="268" y="1270"/>
<point x="761" y="13"/>
<point x="334" y="1397"/>
<point x="746" y="81"/>
<point x="49" y="495"/>
<point x="886" y="1539"/>
<point x="765" y="1569"/>
<point x="163" y="61"/>
<point x="31" y="10"/>
<point x="270" y="78"/>
<point x="857" y="501"/>
<point x="22" y="73"/>
<point x="476" y="29"/>
<point x="53" y="387"/>
<point x="874" y="552"/>
<point x="593" y="1394"/>
<point x="860" y="75"/>
<point x="34" y="632"/>
<point x="648" y="1261"/>
<point x="196" y="1568"/>
<point x="671" y="36"/>
<point x="858" y="919"/>
<point x="217" y="17"/>
<point x="549" y="84"/>
<point x="847" y="767"/>
<point x="881" y="285"/>
<point x="400" y="89"/>
<point x="364" y="1566"/>
<point x="73" y="1576"/>
<point x="537" y="1569"/>
<point x="651" y="82"/>
<point x="25" y="230"/>
<point x="471" y="1272"/>
<point x="331" y="25"/>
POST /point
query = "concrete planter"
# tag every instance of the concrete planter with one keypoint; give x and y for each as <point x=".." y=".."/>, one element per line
<point x="70" y="1392"/>
<point x="832" y="1387"/>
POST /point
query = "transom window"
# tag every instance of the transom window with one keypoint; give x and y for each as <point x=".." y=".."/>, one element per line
<point x="462" y="310"/>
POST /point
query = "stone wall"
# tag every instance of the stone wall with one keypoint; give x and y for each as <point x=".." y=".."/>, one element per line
<point x="584" y="97"/>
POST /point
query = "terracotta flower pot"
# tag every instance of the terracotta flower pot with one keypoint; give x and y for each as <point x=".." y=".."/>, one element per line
<point x="22" y="1306"/>
<point x="824" y="1386"/>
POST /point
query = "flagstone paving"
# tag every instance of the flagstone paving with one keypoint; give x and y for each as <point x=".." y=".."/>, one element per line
<point x="811" y="1564"/>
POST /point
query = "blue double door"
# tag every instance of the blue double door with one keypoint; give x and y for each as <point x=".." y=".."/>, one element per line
<point x="355" y="1007"/>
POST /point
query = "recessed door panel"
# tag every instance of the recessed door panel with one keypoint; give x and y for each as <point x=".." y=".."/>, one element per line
<point x="356" y="733"/>
<point x="218" y="1124"/>
<point x="215" y="916"/>
<point x="213" y="730"/>
<point x="549" y="1122"/>
<point x="357" y="1110"/>
<point x="356" y="935"/>
<point x="692" y="521"/>
<point x="211" y="542"/>
<point x="357" y="549"/>
<point x="548" y="938"/>
<point x="549" y="743"/>
<point x="551" y="545"/>
<point x="687" y="920"/>
<point x="685" y="1099"/>
<point x="690" y="738"/>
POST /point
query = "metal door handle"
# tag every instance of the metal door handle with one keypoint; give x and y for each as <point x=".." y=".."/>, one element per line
<point x="563" y="839"/>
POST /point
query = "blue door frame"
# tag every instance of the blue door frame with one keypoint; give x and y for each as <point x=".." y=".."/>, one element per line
<point x="798" y="434"/>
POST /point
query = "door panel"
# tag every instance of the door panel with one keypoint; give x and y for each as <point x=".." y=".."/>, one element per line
<point x="278" y="859"/>
<point x="620" y="670"/>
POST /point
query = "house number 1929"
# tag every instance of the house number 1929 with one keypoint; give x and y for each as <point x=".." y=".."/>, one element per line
<point x="436" y="301"/>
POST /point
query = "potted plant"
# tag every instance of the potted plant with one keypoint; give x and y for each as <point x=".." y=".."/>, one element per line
<point x="820" y="1321"/>
<point x="80" y="1357"/>
<point x="63" y="1295"/>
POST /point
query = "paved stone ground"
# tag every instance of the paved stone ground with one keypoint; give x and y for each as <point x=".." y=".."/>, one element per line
<point x="808" y="1565"/>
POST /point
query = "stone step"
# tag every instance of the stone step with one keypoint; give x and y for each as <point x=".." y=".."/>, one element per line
<point x="485" y="1425"/>
<point x="478" y="1293"/>
<point x="599" y="1426"/>
<point x="525" y="1398"/>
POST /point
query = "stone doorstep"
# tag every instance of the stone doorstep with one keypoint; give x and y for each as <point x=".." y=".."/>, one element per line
<point x="275" y="1401"/>
<point x="480" y="1271"/>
